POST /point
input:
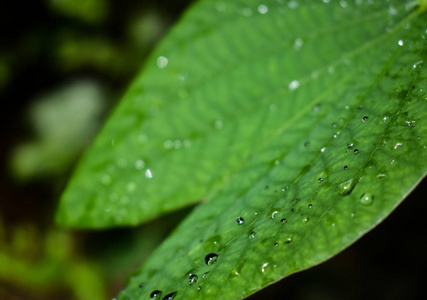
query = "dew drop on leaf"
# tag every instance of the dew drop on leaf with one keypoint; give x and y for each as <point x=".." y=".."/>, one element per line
<point x="283" y="221"/>
<point x="356" y="151"/>
<point x="252" y="235"/>
<point x="211" y="259"/>
<point x="199" y="288"/>
<point x="310" y="205"/>
<point x="345" y="167"/>
<point x="240" y="220"/>
<point x="142" y="285"/>
<point x="364" y="119"/>
<point x="192" y="279"/>
<point x="344" y="188"/>
<point x="170" y="296"/>
<point x="276" y="244"/>
<point x="367" y="199"/>
<point x="305" y="220"/>
<point x="155" y="295"/>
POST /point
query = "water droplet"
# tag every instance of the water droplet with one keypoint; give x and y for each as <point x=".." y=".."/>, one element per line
<point x="205" y="274"/>
<point x="298" y="43"/>
<point x="293" y="210"/>
<point x="323" y="149"/>
<point x="343" y="4"/>
<point x="283" y="221"/>
<point x="293" y="4"/>
<point x="288" y="240"/>
<point x="364" y="119"/>
<point x="170" y="296"/>
<point x="400" y="43"/>
<point x="344" y="188"/>
<point x="148" y="174"/>
<point x="142" y="285"/>
<point x="192" y="278"/>
<point x="356" y="151"/>
<point x="262" y="9"/>
<point x="397" y="145"/>
<point x="310" y="205"/>
<point x="417" y="64"/>
<point x="240" y="220"/>
<point x="276" y="244"/>
<point x="252" y="235"/>
<point x="155" y="295"/>
<point x="266" y="187"/>
<point x="294" y="85"/>
<point x="306" y="144"/>
<point x="263" y="267"/>
<point x="367" y="199"/>
<point x="139" y="164"/>
<point x="162" y="62"/>
<point x="199" y="288"/>
<point x="274" y="213"/>
<point x="320" y="179"/>
<point x="345" y="167"/>
<point x="211" y="259"/>
<point x="350" y="145"/>
<point x="285" y="189"/>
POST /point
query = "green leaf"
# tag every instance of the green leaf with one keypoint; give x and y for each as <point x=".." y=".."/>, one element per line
<point x="304" y="121"/>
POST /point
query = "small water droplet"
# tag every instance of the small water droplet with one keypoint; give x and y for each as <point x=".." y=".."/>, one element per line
<point x="283" y="221"/>
<point x="274" y="213"/>
<point x="205" y="274"/>
<point x="162" y="62"/>
<point x="310" y="205"/>
<point x="199" y="288"/>
<point x="142" y="285"/>
<point x="252" y="235"/>
<point x="306" y="144"/>
<point x="294" y="85"/>
<point x="263" y="267"/>
<point x="298" y="43"/>
<point x="350" y="145"/>
<point x="285" y="189"/>
<point x="170" y="296"/>
<point x="305" y="219"/>
<point x="288" y="240"/>
<point x="356" y="151"/>
<point x="345" y="167"/>
<point x="155" y="295"/>
<point x="367" y="199"/>
<point x="397" y="145"/>
<point x="262" y="9"/>
<point x="148" y="174"/>
<point x="266" y="187"/>
<point x="364" y="119"/>
<point x="293" y="210"/>
<point x="320" y="179"/>
<point x="211" y="259"/>
<point x="192" y="278"/>
<point x="247" y="12"/>
<point x="400" y="43"/>
<point x="240" y="220"/>
<point x="323" y="149"/>
<point x="276" y="244"/>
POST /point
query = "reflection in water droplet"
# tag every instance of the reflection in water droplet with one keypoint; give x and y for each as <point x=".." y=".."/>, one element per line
<point x="170" y="296"/>
<point x="252" y="235"/>
<point x="148" y="174"/>
<point x="367" y="199"/>
<point x="240" y="220"/>
<point x="192" y="278"/>
<point x="155" y="295"/>
<point x="211" y="259"/>
<point x="162" y="62"/>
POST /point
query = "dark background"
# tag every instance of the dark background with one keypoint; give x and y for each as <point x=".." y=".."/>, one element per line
<point x="94" y="48"/>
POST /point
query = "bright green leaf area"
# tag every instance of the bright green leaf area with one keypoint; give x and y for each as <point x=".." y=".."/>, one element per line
<point x="306" y="119"/>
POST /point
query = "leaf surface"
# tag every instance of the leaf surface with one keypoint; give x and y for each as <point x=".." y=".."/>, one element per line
<point x="302" y="124"/>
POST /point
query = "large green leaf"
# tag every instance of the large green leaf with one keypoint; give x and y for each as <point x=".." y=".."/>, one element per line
<point x="303" y="120"/>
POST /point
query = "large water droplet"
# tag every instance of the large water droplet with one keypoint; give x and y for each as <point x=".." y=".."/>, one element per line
<point x="367" y="199"/>
<point x="155" y="295"/>
<point x="344" y="188"/>
<point x="170" y="296"/>
<point x="211" y="259"/>
<point x="192" y="279"/>
<point x="240" y="220"/>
